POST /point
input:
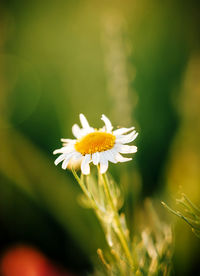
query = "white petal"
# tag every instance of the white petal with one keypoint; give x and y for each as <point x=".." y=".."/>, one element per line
<point x="77" y="155"/>
<point x="86" y="131"/>
<point x="60" y="159"/>
<point x="101" y="156"/>
<point x="127" y="149"/>
<point x="65" y="163"/>
<point x="95" y="158"/>
<point x="102" y="129"/>
<point x="107" y="122"/>
<point x="121" y="131"/>
<point x="127" y="138"/>
<point x="103" y="165"/>
<point x="110" y="156"/>
<point x="120" y="158"/>
<point x="71" y="141"/>
<point x="75" y="161"/>
<point x="84" y="121"/>
<point x="114" y="152"/>
<point x="58" y="151"/>
<point x="85" y="167"/>
<point x="76" y="131"/>
<point x="66" y="149"/>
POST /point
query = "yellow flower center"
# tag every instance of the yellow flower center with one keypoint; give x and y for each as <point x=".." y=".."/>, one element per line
<point x="95" y="142"/>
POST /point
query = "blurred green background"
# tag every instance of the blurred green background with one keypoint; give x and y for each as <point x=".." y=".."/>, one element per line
<point x="138" y="62"/>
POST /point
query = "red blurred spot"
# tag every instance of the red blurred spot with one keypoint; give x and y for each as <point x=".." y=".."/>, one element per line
<point x="27" y="261"/>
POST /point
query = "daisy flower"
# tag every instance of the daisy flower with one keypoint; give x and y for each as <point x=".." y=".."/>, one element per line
<point x="96" y="146"/>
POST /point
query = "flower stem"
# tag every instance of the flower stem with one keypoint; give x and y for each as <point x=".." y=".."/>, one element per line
<point x="85" y="191"/>
<point x="119" y="230"/>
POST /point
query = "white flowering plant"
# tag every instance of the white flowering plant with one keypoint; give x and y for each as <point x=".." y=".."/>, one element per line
<point x="148" y="253"/>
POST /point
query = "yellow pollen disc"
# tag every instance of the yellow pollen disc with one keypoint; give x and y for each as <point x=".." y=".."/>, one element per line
<point x="95" y="142"/>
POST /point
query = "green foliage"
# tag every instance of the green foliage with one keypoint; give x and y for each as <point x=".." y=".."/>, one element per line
<point x="149" y="252"/>
<point x="189" y="212"/>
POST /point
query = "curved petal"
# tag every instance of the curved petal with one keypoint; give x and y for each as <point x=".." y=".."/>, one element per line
<point x="67" y="159"/>
<point x="60" y="158"/>
<point x="107" y="122"/>
<point x="73" y="141"/>
<point x="120" y="158"/>
<point x="103" y="165"/>
<point x="114" y="152"/>
<point x="127" y="149"/>
<point x="65" y="149"/>
<point x="64" y="156"/>
<point x="76" y="131"/>
<point x="84" y="121"/>
<point x="124" y="139"/>
<point x="110" y="156"/>
<point x="85" y="167"/>
<point x="66" y="162"/>
<point x="58" y="151"/>
<point x="95" y="158"/>
<point x="122" y="130"/>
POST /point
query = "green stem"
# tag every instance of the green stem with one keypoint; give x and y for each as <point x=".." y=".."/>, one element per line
<point x="85" y="191"/>
<point x="119" y="231"/>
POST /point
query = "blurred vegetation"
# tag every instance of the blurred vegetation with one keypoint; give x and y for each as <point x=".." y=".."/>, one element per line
<point x="136" y="61"/>
<point x="189" y="212"/>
